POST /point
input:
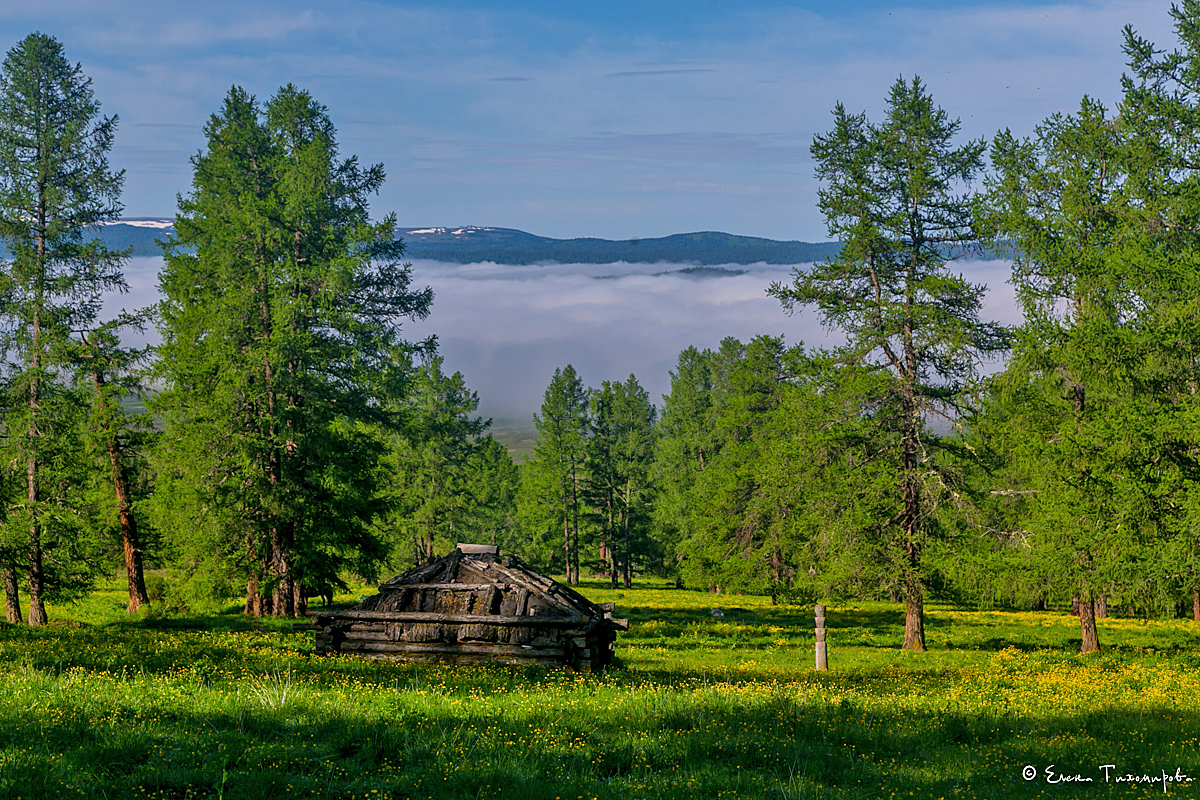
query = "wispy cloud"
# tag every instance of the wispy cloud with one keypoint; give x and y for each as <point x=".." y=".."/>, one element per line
<point x="486" y="114"/>
<point x="641" y="72"/>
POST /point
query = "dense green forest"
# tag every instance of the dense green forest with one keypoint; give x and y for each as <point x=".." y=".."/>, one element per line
<point x="295" y="439"/>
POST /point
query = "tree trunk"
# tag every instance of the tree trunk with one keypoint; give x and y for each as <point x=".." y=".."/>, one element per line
<point x="914" y="619"/>
<point x="1196" y="603"/>
<point x="283" y="597"/>
<point x="299" y="601"/>
<point x="258" y="602"/>
<point x="614" y="571"/>
<point x="129" y="533"/>
<point x="37" y="607"/>
<point x="12" y="599"/>
<point x="1087" y="625"/>
<point x="574" y="578"/>
<point x="1101" y="607"/>
<point x="250" y="608"/>
<point x="628" y="561"/>
<point x="566" y="540"/>
<point x="914" y="599"/>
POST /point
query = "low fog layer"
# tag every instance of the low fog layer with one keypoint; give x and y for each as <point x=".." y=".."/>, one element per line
<point x="508" y="328"/>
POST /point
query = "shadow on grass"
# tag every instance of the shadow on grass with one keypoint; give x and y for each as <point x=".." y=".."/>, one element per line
<point x="657" y="743"/>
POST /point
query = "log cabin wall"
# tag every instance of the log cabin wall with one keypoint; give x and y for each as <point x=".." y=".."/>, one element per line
<point x="472" y="606"/>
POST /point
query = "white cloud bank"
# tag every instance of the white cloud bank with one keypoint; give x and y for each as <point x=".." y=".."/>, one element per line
<point x="507" y="328"/>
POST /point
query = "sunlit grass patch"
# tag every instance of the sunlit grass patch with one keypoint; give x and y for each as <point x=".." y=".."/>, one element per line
<point x="706" y="706"/>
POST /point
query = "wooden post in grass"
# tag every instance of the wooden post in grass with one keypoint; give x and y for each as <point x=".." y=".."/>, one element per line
<point x="822" y="654"/>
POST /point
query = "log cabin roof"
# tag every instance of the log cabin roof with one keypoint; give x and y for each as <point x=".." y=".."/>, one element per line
<point x="470" y="568"/>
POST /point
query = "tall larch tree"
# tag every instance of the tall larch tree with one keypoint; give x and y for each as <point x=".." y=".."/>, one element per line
<point x="1059" y="200"/>
<point x="55" y="184"/>
<point x="895" y="195"/>
<point x="557" y="471"/>
<point x="1160" y="115"/>
<point x="430" y="464"/>
<point x="685" y="446"/>
<point x="620" y="456"/>
<point x="281" y="348"/>
<point x="119" y="439"/>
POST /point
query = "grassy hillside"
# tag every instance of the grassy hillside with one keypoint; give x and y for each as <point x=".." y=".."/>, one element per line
<point x="100" y="705"/>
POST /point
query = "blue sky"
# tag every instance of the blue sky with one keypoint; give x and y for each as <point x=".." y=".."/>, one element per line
<point x="614" y="119"/>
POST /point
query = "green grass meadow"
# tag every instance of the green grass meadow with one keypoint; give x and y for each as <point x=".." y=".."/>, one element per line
<point x="102" y="704"/>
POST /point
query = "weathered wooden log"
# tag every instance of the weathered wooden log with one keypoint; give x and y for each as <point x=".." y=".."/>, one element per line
<point x="539" y="587"/>
<point x="422" y="632"/>
<point x="468" y="658"/>
<point x="474" y="649"/>
<point x="423" y="616"/>
<point x="491" y="603"/>
<point x="452" y="587"/>
<point x="469" y="549"/>
<point x="478" y="632"/>
<point x="450" y="568"/>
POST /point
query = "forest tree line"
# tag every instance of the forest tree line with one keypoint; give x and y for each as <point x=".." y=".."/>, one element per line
<point x="295" y="439"/>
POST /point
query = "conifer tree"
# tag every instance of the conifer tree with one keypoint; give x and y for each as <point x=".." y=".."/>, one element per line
<point x="892" y="198"/>
<point x="493" y="481"/>
<point x="1160" y="116"/>
<point x="281" y="348"/>
<point x="553" y="483"/>
<point x="685" y="446"/>
<point x="1058" y="198"/>
<point x="55" y="183"/>
<point x="620" y="457"/>
<point x="121" y="440"/>
<point x="431" y="463"/>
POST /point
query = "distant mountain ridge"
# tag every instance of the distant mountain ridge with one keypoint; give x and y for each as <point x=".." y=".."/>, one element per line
<point x="470" y="244"/>
<point x="142" y="235"/>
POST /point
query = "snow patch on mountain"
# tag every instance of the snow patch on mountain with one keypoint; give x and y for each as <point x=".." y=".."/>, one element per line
<point x="161" y="224"/>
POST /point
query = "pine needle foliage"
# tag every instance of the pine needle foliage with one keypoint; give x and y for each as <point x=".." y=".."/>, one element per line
<point x="281" y="348"/>
<point x="55" y="184"/>
<point x="897" y="195"/>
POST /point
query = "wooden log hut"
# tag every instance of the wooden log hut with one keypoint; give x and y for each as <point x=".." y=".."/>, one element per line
<point x="472" y="606"/>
